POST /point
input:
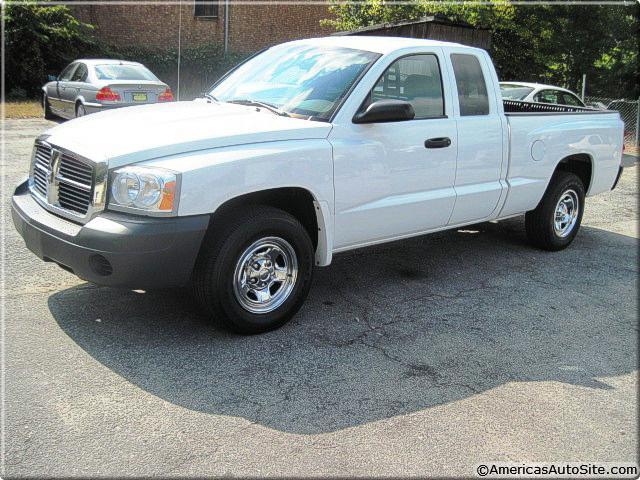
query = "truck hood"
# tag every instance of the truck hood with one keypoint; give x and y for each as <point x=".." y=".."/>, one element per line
<point x="134" y="134"/>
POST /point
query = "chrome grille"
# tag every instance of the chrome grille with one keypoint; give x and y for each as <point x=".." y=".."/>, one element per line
<point x="72" y="169"/>
<point x="74" y="184"/>
<point x="67" y="184"/>
<point x="41" y="169"/>
<point x="74" y="198"/>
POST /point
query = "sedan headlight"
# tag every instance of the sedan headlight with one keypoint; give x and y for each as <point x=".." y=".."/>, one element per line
<point x="144" y="190"/>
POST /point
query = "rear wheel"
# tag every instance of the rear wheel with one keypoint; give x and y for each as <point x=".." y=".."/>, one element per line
<point x="48" y="114"/>
<point x="255" y="271"/>
<point x="555" y="222"/>
<point x="80" y="110"/>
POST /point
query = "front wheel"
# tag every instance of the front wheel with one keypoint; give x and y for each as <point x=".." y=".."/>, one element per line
<point x="48" y="114"/>
<point x="255" y="270"/>
<point x="555" y="222"/>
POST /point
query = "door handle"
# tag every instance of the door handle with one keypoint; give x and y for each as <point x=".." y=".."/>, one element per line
<point x="440" y="142"/>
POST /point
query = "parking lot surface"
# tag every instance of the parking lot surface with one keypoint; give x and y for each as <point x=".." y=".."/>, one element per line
<point x="421" y="357"/>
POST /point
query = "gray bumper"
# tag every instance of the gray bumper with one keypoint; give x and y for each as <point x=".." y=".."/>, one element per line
<point x="113" y="249"/>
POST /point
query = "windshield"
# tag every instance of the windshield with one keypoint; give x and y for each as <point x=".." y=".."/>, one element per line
<point x="123" y="72"/>
<point x="301" y="80"/>
<point x="514" y="92"/>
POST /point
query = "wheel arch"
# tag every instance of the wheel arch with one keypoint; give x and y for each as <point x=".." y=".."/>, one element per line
<point x="581" y="164"/>
<point x="300" y="202"/>
<point x="78" y="101"/>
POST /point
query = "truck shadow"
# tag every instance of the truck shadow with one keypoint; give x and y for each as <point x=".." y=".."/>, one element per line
<point x="386" y="331"/>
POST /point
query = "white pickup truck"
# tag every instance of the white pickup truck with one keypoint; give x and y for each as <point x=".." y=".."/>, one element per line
<point x="307" y="149"/>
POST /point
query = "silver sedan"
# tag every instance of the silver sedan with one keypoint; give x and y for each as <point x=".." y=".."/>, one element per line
<point x="88" y="86"/>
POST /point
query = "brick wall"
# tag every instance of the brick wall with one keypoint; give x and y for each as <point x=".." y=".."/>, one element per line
<point x="250" y="27"/>
<point x="255" y="27"/>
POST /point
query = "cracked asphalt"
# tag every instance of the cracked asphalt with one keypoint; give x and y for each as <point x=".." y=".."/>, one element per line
<point x="420" y="358"/>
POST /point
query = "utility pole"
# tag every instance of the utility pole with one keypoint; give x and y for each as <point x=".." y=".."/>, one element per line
<point x="179" y="46"/>
<point x="638" y="123"/>
<point x="226" y="27"/>
<point x="584" y="85"/>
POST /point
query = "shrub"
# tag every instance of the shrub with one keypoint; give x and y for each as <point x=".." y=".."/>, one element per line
<point x="40" y="40"/>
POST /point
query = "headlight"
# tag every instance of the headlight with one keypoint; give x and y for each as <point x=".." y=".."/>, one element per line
<point x="144" y="190"/>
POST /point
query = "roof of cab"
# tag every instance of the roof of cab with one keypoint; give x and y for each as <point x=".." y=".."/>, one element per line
<point x="381" y="44"/>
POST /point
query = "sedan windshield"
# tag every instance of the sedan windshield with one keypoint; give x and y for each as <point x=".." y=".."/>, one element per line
<point x="299" y="80"/>
<point x="514" y="92"/>
<point x="123" y="72"/>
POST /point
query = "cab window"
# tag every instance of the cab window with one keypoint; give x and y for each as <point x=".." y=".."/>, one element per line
<point x="415" y="79"/>
<point x="472" y="89"/>
<point x="80" y="75"/>
<point x="67" y="72"/>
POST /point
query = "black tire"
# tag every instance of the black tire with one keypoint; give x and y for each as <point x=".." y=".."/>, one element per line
<point x="80" y="110"/>
<point x="540" y="223"/>
<point x="219" y="260"/>
<point x="48" y="114"/>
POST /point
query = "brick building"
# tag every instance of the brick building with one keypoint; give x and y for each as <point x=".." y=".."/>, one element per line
<point x="197" y="22"/>
<point x="167" y="24"/>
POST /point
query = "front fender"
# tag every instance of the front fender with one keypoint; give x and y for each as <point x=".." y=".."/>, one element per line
<point x="212" y="177"/>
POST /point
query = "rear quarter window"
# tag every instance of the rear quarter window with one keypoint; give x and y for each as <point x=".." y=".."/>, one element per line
<point x="472" y="89"/>
<point x="568" y="99"/>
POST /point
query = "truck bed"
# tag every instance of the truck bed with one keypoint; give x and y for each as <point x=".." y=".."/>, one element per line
<point x="541" y="134"/>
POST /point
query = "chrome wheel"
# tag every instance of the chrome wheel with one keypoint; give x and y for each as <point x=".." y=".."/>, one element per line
<point x="265" y="275"/>
<point x="80" y="111"/>
<point x="566" y="213"/>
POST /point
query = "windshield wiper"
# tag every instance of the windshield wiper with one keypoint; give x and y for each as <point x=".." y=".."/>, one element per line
<point x="208" y="96"/>
<point x="257" y="103"/>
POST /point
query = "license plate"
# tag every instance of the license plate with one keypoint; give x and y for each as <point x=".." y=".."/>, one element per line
<point x="139" y="97"/>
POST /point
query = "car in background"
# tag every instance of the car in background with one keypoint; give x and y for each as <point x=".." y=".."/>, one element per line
<point x="539" y="93"/>
<point x="88" y="86"/>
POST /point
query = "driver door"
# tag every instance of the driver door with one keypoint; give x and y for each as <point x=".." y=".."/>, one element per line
<point x="66" y="105"/>
<point x="390" y="181"/>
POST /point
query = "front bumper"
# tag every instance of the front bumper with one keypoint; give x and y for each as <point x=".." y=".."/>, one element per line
<point x="113" y="249"/>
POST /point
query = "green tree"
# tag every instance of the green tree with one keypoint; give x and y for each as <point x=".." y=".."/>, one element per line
<point x="551" y="43"/>
<point x="40" y="40"/>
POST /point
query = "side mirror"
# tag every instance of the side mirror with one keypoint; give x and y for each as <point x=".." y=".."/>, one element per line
<point x="52" y="78"/>
<point x="386" y="111"/>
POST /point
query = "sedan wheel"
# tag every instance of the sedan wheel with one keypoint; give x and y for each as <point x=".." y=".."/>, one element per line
<point x="80" y="111"/>
<point x="48" y="114"/>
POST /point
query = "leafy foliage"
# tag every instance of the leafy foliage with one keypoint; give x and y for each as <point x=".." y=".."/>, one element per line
<point x="42" y="40"/>
<point x="38" y="41"/>
<point x="549" y="43"/>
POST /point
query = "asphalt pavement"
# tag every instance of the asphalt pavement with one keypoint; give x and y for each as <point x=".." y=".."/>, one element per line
<point x="421" y="358"/>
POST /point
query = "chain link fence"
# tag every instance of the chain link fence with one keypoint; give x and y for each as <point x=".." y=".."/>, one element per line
<point x="630" y="113"/>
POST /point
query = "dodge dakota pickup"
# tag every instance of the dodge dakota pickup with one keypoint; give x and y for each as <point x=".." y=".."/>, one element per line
<point x="307" y="149"/>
